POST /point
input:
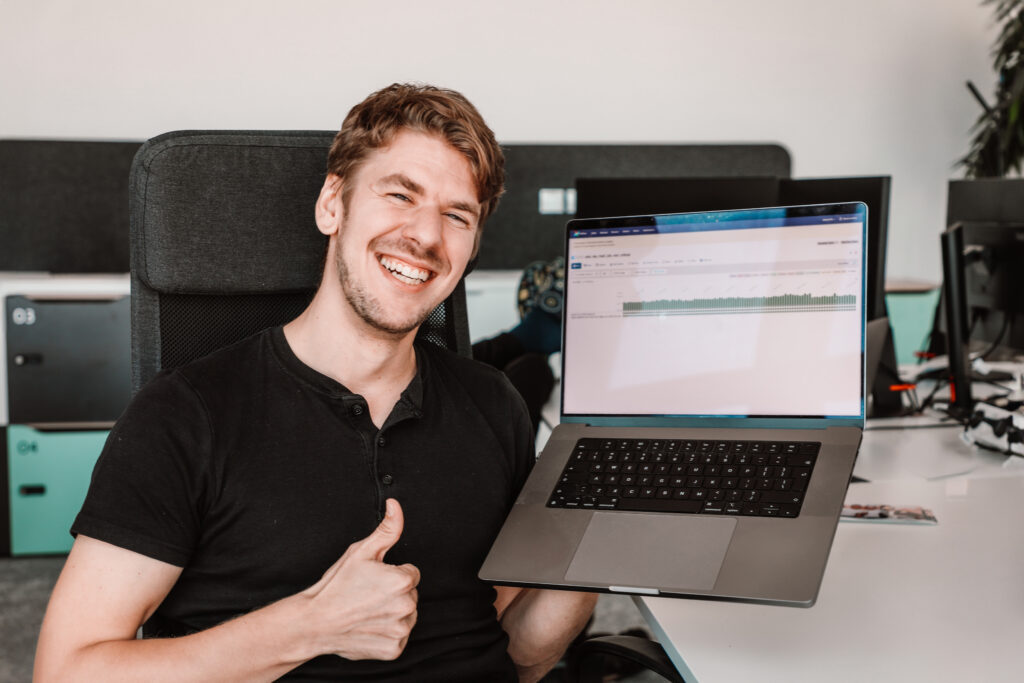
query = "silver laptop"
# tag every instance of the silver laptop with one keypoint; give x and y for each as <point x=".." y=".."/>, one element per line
<point x="711" y="410"/>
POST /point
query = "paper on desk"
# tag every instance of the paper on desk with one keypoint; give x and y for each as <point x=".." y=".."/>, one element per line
<point x="887" y="514"/>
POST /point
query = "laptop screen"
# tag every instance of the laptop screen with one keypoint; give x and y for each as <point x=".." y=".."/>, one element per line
<point x="748" y="313"/>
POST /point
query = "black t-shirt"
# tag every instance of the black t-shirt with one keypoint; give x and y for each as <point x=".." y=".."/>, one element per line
<point x="254" y="473"/>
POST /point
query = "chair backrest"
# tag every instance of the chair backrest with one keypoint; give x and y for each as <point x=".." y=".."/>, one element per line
<point x="224" y="243"/>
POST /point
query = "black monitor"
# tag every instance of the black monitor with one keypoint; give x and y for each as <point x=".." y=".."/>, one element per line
<point x="598" y="197"/>
<point x="983" y="291"/>
<point x="992" y="271"/>
<point x="991" y="212"/>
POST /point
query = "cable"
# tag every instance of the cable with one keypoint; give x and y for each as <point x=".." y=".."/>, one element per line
<point x="930" y="397"/>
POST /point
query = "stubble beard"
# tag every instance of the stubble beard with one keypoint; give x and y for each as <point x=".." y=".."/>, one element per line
<point x="368" y="308"/>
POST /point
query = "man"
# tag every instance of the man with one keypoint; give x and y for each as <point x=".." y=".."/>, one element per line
<point x="317" y="499"/>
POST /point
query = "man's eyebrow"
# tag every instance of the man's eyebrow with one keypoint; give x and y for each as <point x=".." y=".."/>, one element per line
<point x="403" y="180"/>
<point x="471" y="210"/>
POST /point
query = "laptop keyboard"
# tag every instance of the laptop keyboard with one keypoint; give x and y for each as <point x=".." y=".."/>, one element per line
<point x="760" y="478"/>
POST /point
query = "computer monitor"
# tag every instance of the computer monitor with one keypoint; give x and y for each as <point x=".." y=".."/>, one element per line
<point x="991" y="212"/>
<point x="992" y="271"/>
<point x="597" y="197"/>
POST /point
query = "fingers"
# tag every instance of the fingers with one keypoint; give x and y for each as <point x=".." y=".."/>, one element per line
<point x="412" y="571"/>
<point x="384" y="537"/>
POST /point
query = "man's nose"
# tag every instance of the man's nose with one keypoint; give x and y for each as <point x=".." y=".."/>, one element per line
<point x="425" y="226"/>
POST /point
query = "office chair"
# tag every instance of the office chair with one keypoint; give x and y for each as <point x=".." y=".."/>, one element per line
<point x="224" y="243"/>
<point x="587" y="662"/>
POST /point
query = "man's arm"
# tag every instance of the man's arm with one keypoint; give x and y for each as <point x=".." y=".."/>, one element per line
<point x="361" y="608"/>
<point x="540" y="625"/>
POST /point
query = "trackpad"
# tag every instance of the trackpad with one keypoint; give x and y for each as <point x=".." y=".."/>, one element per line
<point x="652" y="551"/>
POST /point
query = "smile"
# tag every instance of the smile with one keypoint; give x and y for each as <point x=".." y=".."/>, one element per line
<point x="403" y="272"/>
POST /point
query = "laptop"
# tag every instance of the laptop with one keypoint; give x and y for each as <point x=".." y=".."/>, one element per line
<point x="712" y="405"/>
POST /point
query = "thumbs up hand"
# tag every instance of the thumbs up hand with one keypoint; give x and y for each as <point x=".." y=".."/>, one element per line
<point x="365" y="607"/>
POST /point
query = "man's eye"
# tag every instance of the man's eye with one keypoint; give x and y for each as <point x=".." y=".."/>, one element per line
<point x="461" y="220"/>
<point x="400" y="196"/>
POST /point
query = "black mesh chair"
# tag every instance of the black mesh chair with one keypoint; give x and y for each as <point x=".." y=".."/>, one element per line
<point x="589" y="661"/>
<point x="224" y="243"/>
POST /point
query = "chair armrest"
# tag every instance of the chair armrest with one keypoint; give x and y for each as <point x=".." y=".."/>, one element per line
<point x="586" y="661"/>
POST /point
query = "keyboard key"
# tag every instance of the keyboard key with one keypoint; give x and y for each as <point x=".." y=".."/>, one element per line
<point x="790" y="497"/>
<point x="658" y="505"/>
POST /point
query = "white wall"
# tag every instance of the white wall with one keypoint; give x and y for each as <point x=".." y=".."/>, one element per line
<point x="850" y="87"/>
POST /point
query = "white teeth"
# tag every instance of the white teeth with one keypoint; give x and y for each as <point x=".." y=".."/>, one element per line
<point x="415" y="275"/>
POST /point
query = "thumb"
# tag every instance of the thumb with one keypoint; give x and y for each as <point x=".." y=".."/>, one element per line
<point x="386" y="534"/>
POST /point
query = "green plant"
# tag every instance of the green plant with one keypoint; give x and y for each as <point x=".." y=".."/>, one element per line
<point x="998" y="144"/>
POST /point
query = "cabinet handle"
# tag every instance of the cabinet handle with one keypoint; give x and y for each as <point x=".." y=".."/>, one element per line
<point x="32" y="490"/>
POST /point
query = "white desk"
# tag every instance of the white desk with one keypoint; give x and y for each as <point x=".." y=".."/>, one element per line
<point x="918" y="452"/>
<point x="898" y="602"/>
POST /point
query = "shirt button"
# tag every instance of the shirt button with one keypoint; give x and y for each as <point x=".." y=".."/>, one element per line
<point x="357" y="409"/>
<point x="387" y="479"/>
<point x="381" y="441"/>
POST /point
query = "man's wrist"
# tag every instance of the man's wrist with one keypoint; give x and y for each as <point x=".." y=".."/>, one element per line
<point x="300" y="640"/>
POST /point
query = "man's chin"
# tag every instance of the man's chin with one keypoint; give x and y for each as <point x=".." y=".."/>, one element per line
<point x="394" y="328"/>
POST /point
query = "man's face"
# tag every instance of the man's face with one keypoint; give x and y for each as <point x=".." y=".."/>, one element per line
<point x="407" y="231"/>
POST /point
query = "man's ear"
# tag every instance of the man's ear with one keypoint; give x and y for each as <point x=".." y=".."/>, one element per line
<point x="329" y="207"/>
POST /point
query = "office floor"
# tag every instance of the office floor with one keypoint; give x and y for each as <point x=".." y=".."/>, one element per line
<point x="26" y="583"/>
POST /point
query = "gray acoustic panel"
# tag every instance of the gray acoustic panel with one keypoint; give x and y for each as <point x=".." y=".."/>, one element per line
<point x="999" y="200"/>
<point x="64" y="205"/>
<point x="519" y="233"/>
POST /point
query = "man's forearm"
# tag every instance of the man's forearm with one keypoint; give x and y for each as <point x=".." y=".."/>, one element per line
<point x="541" y="624"/>
<point x="260" y="646"/>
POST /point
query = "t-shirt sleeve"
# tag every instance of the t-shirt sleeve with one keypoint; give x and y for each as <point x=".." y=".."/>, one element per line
<point x="150" y="483"/>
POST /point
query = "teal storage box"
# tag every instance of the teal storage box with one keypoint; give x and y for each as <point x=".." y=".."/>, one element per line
<point x="48" y="474"/>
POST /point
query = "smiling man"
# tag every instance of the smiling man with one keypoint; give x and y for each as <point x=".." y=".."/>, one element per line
<point x="314" y="502"/>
